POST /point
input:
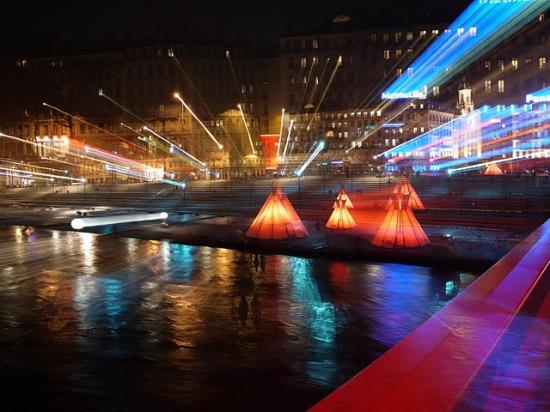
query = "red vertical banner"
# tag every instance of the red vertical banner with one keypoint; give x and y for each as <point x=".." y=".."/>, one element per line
<point x="269" y="149"/>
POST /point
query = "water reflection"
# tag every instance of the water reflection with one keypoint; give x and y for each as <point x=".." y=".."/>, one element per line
<point x="199" y="328"/>
<point x="319" y="318"/>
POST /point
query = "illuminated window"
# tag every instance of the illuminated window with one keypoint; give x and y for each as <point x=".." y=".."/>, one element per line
<point x="292" y="80"/>
<point x="501" y="64"/>
<point x="398" y="37"/>
<point x="488" y="86"/>
<point x="542" y="62"/>
<point x="304" y="80"/>
<point x="316" y="80"/>
<point x="386" y="54"/>
<point x="473" y="31"/>
<point x="435" y="91"/>
<point x="541" y="17"/>
<point x="399" y="72"/>
<point x="303" y="62"/>
<point x="501" y="86"/>
<point x="410" y="36"/>
<point x="460" y="30"/>
<point x="487" y="65"/>
<point x="315" y="44"/>
<point x="398" y="53"/>
<point x="410" y="52"/>
<point x="515" y="63"/>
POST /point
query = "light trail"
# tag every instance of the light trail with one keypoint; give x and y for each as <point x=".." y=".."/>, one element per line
<point x="40" y="174"/>
<point x="83" y="156"/>
<point x="234" y="74"/>
<point x="315" y="153"/>
<point x="53" y="149"/>
<point x="178" y="97"/>
<point x="174" y="149"/>
<point x="28" y="176"/>
<point x="81" y="223"/>
<point x="356" y="143"/>
<point x="287" y="140"/>
<point x="247" y="130"/>
<point x="482" y="26"/>
<point x="281" y="132"/>
<point x="228" y="137"/>
<point x="322" y="99"/>
<point x="81" y="120"/>
<point x="51" y="169"/>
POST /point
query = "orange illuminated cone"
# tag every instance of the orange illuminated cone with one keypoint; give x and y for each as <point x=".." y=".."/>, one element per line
<point x="342" y="195"/>
<point x="493" y="170"/>
<point x="277" y="219"/>
<point x="340" y="217"/>
<point x="405" y="187"/>
<point x="400" y="229"/>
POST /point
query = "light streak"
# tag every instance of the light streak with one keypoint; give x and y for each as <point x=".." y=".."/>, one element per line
<point x="51" y="169"/>
<point x="81" y="223"/>
<point x="28" y="176"/>
<point x="356" y="143"/>
<point x="81" y="120"/>
<point x="482" y="26"/>
<point x="178" y="97"/>
<point x="83" y="156"/>
<point x="322" y="99"/>
<point x="247" y="130"/>
<point x="287" y="139"/>
<point x="177" y="150"/>
<point x="315" y="153"/>
<point x="40" y="174"/>
<point x="281" y="132"/>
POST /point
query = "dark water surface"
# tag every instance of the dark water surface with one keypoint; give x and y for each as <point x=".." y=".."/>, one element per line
<point x="99" y="323"/>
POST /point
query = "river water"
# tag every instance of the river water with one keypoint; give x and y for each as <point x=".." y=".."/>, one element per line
<point x="100" y="323"/>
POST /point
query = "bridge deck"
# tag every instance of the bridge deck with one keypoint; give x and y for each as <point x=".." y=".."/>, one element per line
<point x="436" y="366"/>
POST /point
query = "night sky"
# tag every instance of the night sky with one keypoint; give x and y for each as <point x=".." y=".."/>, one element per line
<point x="52" y="27"/>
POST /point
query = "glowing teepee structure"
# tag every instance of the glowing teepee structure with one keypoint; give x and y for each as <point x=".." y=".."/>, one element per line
<point x="493" y="170"/>
<point x="342" y="195"/>
<point x="400" y="229"/>
<point x="405" y="187"/>
<point x="340" y="217"/>
<point x="277" y="219"/>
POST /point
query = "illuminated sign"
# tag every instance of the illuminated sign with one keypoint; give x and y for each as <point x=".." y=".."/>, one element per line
<point x="541" y="96"/>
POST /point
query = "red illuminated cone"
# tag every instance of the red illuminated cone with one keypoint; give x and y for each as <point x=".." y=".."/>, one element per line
<point x="341" y="217"/>
<point x="277" y="219"/>
<point x="400" y="229"/>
